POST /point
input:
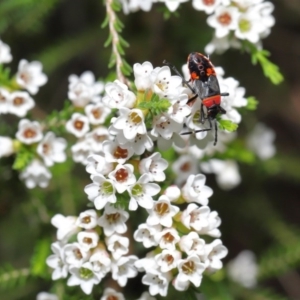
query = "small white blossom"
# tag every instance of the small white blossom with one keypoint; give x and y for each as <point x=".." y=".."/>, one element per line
<point x="29" y="132"/>
<point x="147" y="235"/>
<point x="141" y="193"/>
<point x="110" y="293"/>
<point x="261" y="141"/>
<point x="66" y="226"/>
<point x="192" y="244"/>
<point x="154" y="165"/>
<point x="244" y="269"/>
<point x="158" y="282"/>
<point x="142" y="74"/>
<point x="83" y="276"/>
<point x="97" y="164"/>
<point x="30" y="76"/>
<point x="81" y="151"/>
<point x="124" y="268"/>
<point x="20" y="103"/>
<point x="123" y="177"/>
<point x="162" y="212"/>
<point x="87" y="219"/>
<point x="75" y="254"/>
<point x="101" y="262"/>
<point x="88" y="239"/>
<point x="36" y="174"/>
<point x="113" y="220"/>
<point x="207" y="6"/>
<point x="139" y="144"/>
<point x="172" y="5"/>
<point x="118" y="245"/>
<point x="167" y="259"/>
<point x="56" y="261"/>
<point x="97" y="113"/>
<point x="5" y="55"/>
<point x="84" y="89"/>
<point x="114" y="152"/>
<point x="118" y="95"/>
<point x="215" y="251"/>
<point x="78" y="125"/>
<point x="168" y="238"/>
<point x="4" y="101"/>
<point x="51" y="149"/>
<point x="195" y="190"/>
<point x="6" y="146"/>
<point x="173" y="192"/>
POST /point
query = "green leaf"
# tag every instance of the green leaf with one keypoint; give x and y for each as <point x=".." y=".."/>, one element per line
<point x="227" y="125"/>
<point x="24" y="157"/>
<point x="105" y="22"/>
<point x="252" y="103"/>
<point x="108" y="40"/>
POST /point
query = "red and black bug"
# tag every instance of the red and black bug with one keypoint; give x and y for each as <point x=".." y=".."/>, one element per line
<point x="205" y="85"/>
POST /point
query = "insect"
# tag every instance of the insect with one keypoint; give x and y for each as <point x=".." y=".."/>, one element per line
<point x="205" y="85"/>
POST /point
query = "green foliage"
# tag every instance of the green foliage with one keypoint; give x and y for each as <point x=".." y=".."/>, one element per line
<point x="252" y="103"/>
<point x="38" y="260"/>
<point x="24" y="157"/>
<point x="5" y="80"/>
<point x="227" y="125"/>
<point x="11" y="278"/>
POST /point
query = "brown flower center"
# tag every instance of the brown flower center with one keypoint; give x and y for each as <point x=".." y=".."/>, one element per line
<point x="225" y="19"/>
<point x="161" y="208"/>
<point x="29" y="133"/>
<point x="121" y="175"/>
<point x="120" y="152"/>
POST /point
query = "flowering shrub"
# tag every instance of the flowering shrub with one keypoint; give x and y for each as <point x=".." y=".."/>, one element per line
<point x="129" y="135"/>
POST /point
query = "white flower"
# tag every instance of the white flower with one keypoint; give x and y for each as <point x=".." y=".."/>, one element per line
<point x="84" y="89"/>
<point x="101" y="191"/>
<point x="147" y="263"/>
<point x="142" y="73"/>
<point x="179" y="110"/>
<point x="6" y="146"/>
<point x="190" y="269"/>
<point x="207" y="6"/>
<point x="97" y="113"/>
<point x="244" y="269"/>
<point x="81" y="151"/>
<point x="167" y="238"/>
<point x="215" y="251"/>
<point x="118" y="95"/>
<point x="147" y="235"/>
<point x="154" y="165"/>
<point x="131" y="122"/>
<point x="66" y="226"/>
<point x="97" y="164"/>
<point x="223" y="20"/>
<point x="110" y="293"/>
<point x="139" y="144"/>
<point x="172" y="5"/>
<point x="46" y="296"/>
<point x="5" y="55"/>
<point x="51" y="149"/>
<point x="4" y="101"/>
<point x="124" y="268"/>
<point x="36" y="174"/>
<point x="101" y="262"/>
<point x="220" y="45"/>
<point x="118" y="245"/>
<point x="184" y="166"/>
<point x="162" y="212"/>
<point x="20" y="103"/>
<point x="173" y="192"/>
<point x="201" y="219"/>
<point x="75" y="254"/>
<point x="195" y="190"/>
<point x="88" y="239"/>
<point x="29" y="132"/>
<point x="261" y="141"/>
<point x="113" y="220"/>
<point x="158" y="282"/>
<point x="56" y="261"/>
<point x="87" y="219"/>
<point x="114" y="152"/>
<point x="123" y="177"/>
<point x="83" y="276"/>
<point x="167" y="259"/>
<point x="227" y="173"/>
<point x="30" y="76"/>
<point x="78" y="125"/>
<point x="192" y="244"/>
<point x="141" y="193"/>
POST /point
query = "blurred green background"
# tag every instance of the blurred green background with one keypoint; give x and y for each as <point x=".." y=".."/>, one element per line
<point x="261" y="214"/>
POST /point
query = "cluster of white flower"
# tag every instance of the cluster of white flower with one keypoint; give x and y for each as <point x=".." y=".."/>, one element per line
<point x="233" y="20"/>
<point x="114" y="185"/>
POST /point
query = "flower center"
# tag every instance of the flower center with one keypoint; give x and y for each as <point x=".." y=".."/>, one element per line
<point x="85" y="273"/>
<point x="135" y="118"/>
<point x="185" y="167"/>
<point x="99" y="138"/>
<point x="87" y="240"/>
<point x="161" y="208"/>
<point x="208" y="2"/>
<point x="169" y="259"/>
<point x="168" y="237"/>
<point x="18" y="101"/>
<point x="2" y="98"/>
<point x="96" y="112"/>
<point x="46" y="148"/>
<point x="120" y="152"/>
<point x="112" y="297"/>
<point x="77" y="253"/>
<point x="121" y="175"/>
<point x="107" y="188"/>
<point x="137" y="190"/>
<point x="29" y="133"/>
<point x="86" y="220"/>
<point x="25" y="77"/>
<point x="244" y="25"/>
<point x="225" y="19"/>
<point x="112" y="218"/>
<point x="188" y="267"/>
<point x="78" y="124"/>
